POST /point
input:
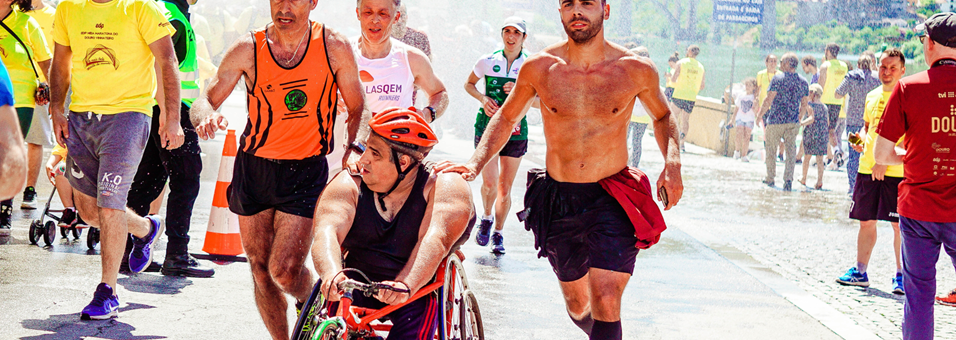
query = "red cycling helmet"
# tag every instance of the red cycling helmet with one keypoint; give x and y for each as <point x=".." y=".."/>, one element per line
<point x="408" y="133"/>
<point x="405" y="129"/>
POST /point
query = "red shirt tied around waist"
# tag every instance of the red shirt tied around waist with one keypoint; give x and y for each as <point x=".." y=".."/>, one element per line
<point x="291" y="110"/>
<point x="632" y="190"/>
<point x="926" y="114"/>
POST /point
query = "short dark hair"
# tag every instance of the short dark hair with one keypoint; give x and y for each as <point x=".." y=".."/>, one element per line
<point x="833" y="48"/>
<point x="809" y="61"/>
<point x="895" y="52"/>
<point x="675" y="58"/>
<point x="790" y="59"/>
<point x="23" y="5"/>
<point x="693" y="50"/>
<point x="865" y="62"/>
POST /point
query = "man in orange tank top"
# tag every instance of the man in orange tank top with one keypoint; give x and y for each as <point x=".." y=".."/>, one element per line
<point x="294" y="71"/>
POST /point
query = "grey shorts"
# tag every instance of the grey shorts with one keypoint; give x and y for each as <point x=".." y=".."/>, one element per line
<point x="41" y="130"/>
<point x="104" y="154"/>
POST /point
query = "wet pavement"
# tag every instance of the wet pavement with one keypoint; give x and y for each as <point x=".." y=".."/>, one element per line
<point x="739" y="261"/>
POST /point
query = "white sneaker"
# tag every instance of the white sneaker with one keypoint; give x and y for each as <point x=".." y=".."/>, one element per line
<point x="745" y="159"/>
<point x="736" y="155"/>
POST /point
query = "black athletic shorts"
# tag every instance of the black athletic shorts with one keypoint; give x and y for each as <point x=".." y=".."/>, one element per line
<point x="875" y="200"/>
<point x="686" y="105"/>
<point x="584" y="227"/>
<point x="289" y="186"/>
<point x="833" y="114"/>
<point x="514" y="148"/>
<point x="669" y="93"/>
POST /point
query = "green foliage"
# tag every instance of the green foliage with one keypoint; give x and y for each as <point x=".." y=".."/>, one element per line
<point x="815" y="37"/>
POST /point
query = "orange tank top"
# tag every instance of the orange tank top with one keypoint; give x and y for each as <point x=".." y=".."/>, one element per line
<point x="291" y="110"/>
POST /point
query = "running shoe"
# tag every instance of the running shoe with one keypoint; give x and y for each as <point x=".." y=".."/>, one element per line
<point x="104" y="305"/>
<point x="898" y="284"/>
<point x="854" y="278"/>
<point x="745" y="159"/>
<point x="736" y="155"/>
<point x="787" y="185"/>
<point x="142" y="254"/>
<point x="29" y="198"/>
<point x="484" y="232"/>
<point x="768" y="183"/>
<point x="948" y="300"/>
<point x="6" y="214"/>
<point x="67" y="218"/>
<point x="498" y="243"/>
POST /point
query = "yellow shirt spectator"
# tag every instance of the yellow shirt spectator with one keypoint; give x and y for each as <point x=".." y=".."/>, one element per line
<point x="23" y="76"/>
<point x="112" y="63"/>
<point x="875" y="103"/>
<point x="763" y="81"/>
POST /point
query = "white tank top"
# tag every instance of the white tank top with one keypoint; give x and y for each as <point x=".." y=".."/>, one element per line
<point x="388" y="81"/>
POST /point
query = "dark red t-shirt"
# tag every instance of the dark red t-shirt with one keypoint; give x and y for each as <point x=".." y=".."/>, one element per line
<point x="923" y="108"/>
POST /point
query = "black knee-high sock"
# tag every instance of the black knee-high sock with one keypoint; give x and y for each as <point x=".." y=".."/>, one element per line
<point x="584" y="324"/>
<point x="606" y="330"/>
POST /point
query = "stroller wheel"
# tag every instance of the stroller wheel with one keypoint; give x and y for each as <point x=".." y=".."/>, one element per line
<point x="35" y="230"/>
<point x="92" y="238"/>
<point x="76" y="232"/>
<point x="49" y="232"/>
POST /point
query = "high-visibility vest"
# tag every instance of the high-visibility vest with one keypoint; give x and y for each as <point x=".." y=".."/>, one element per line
<point x="689" y="79"/>
<point x="836" y="71"/>
<point x="189" y="66"/>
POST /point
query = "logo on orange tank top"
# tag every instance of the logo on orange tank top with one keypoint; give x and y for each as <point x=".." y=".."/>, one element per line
<point x="366" y="77"/>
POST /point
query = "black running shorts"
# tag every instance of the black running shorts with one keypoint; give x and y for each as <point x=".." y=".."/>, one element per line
<point x="587" y="229"/>
<point x="514" y="148"/>
<point x="875" y="200"/>
<point x="669" y="93"/>
<point x="289" y="186"/>
<point x="686" y="105"/>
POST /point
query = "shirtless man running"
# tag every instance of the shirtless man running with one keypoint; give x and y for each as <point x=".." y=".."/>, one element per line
<point x="587" y="88"/>
<point x="293" y="70"/>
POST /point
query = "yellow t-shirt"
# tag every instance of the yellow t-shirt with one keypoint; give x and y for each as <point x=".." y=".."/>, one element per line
<point x="112" y="63"/>
<point x="15" y="57"/>
<point x="763" y="81"/>
<point x="44" y="17"/>
<point x="875" y="103"/>
<point x="843" y="108"/>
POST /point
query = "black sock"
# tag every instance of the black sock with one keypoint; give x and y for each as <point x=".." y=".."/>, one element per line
<point x="606" y="330"/>
<point x="584" y="324"/>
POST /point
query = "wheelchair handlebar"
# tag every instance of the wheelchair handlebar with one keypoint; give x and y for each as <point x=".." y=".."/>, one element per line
<point x="368" y="289"/>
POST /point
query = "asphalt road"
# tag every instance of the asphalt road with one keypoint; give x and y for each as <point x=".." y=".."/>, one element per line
<point x="699" y="282"/>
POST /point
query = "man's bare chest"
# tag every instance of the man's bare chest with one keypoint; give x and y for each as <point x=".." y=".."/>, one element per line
<point x="597" y="92"/>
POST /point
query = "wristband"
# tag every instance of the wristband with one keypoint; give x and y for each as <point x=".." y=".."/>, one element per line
<point x="433" y="113"/>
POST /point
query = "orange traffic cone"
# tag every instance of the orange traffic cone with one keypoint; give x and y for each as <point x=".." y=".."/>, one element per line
<point x="222" y="234"/>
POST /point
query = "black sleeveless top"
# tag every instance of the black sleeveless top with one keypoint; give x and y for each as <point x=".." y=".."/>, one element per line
<point x="381" y="248"/>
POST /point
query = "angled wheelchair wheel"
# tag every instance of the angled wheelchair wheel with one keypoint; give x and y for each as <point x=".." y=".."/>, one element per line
<point x="452" y="299"/>
<point x="471" y="325"/>
<point x="307" y="325"/>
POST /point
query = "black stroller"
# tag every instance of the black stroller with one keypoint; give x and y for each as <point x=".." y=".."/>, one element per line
<point x="48" y="230"/>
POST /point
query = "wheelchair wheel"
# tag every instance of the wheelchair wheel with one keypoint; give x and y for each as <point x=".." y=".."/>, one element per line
<point x="452" y="299"/>
<point x="49" y="232"/>
<point x="307" y="326"/>
<point x="471" y="325"/>
<point x="36" y="229"/>
<point x="92" y="238"/>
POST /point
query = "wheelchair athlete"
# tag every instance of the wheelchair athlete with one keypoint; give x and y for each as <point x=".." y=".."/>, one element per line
<point x="395" y="221"/>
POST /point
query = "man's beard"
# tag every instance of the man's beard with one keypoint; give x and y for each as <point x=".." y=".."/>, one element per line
<point x="582" y="37"/>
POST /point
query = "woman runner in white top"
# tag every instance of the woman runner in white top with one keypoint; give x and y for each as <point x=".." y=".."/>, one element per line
<point x="498" y="72"/>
